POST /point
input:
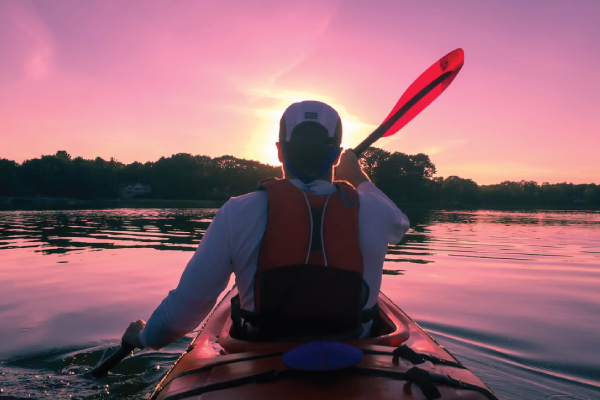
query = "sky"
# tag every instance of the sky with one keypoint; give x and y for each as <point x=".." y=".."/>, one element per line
<point x="138" y="80"/>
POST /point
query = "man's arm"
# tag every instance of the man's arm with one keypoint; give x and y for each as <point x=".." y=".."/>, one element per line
<point x="390" y="215"/>
<point x="203" y="280"/>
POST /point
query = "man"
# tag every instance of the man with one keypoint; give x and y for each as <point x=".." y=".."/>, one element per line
<point x="317" y="272"/>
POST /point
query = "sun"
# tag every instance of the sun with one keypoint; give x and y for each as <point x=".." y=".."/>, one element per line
<point x="261" y="146"/>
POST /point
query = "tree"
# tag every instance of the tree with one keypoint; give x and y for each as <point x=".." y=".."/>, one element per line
<point x="62" y="154"/>
<point x="456" y="190"/>
<point x="401" y="176"/>
<point x="371" y="159"/>
<point x="48" y="176"/>
<point x="592" y="195"/>
<point x="9" y="179"/>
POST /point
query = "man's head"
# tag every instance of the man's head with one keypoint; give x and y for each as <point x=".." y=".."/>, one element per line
<point x="310" y="134"/>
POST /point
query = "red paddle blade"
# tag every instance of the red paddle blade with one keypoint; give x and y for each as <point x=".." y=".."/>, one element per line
<point x="444" y="71"/>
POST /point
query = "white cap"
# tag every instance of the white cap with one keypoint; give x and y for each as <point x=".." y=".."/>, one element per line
<point x="311" y="112"/>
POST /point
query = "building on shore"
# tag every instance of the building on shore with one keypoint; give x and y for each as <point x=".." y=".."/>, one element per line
<point x="130" y="190"/>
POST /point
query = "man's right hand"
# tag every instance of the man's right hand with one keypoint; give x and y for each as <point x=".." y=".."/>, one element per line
<point x="132" y="334"/>
<point x="349" y="169"/>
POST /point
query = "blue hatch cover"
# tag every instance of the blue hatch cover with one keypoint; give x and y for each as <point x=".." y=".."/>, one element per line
<point x="322" y="356"/>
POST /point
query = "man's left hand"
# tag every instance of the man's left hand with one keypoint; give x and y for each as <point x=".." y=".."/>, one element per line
<point x="132" y="334"/>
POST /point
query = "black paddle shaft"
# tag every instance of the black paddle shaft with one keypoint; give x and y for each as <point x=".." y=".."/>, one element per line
<point x="383" y="128"/>
<point x="113" y="360"/>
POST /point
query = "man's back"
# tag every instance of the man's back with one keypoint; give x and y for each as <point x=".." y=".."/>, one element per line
<point x="232" y="244"/>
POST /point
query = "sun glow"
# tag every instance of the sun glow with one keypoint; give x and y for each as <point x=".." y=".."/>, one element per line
<point x="262" y="142"/>
<point x="263" y="139"/>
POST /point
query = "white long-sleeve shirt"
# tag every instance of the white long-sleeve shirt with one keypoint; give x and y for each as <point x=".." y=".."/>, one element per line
<point x="231" y="245"/>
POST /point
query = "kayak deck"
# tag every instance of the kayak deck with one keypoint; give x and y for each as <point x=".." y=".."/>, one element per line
<point x="403" y="362"/>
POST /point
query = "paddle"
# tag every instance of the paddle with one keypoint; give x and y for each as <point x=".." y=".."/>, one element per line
<point x="419" y="95"/>
<point x="113" y="360"/>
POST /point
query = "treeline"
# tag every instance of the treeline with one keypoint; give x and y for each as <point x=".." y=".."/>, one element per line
<point x="181" y="176"/>
<point x="408" y="179"/>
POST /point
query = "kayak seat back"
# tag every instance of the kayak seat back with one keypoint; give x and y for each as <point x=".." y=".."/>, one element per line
<point x="392" y="332"/>
<point x="304" y="302"/>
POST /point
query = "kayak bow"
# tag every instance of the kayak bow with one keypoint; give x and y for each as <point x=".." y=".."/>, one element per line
<point x="403" y="362"/>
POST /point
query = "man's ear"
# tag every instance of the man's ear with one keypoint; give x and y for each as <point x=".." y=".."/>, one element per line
<point x="279" y="152"/>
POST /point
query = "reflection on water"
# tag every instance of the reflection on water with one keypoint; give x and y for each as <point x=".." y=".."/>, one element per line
<point x="60" y="232"/>
<point x="513" y="294"/>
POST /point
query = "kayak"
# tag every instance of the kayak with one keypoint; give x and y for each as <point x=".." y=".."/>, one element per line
<point x="402" y="362"/>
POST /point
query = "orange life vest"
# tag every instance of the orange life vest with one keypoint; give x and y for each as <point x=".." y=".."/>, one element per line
<point x="309" y="280"/>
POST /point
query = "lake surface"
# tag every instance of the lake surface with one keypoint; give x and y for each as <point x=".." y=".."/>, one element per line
<point x="514" y="295"/>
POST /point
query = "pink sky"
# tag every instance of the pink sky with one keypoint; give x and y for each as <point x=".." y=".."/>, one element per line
<point x="137" y="80"/>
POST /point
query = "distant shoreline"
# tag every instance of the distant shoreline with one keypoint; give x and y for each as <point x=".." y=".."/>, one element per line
<point x="57" y="181"/>
<point x="41" y="203"/>
<point x="60" y="203"/>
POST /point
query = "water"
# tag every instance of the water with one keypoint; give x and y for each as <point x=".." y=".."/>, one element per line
<point x="514" y="295"/>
